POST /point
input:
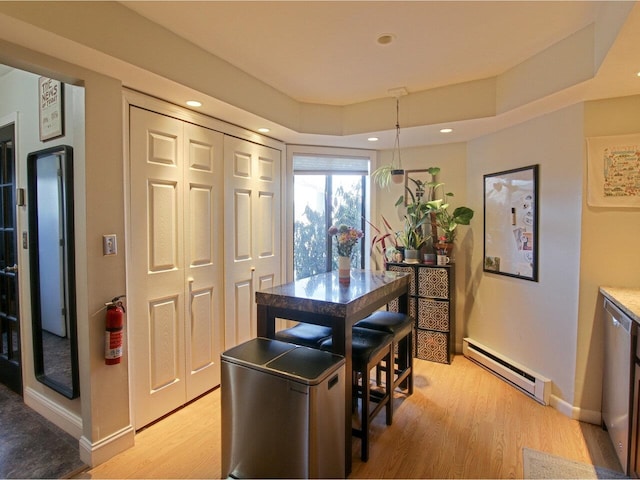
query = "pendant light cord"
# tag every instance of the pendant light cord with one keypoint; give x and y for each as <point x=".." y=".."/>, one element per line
<point x="396" y="146"/>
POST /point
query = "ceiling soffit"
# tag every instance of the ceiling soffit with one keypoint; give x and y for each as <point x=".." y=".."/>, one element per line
<point x="145" y="45"/>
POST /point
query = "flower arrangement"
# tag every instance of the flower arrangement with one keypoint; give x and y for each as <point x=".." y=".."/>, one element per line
<point x="346" y="238"/>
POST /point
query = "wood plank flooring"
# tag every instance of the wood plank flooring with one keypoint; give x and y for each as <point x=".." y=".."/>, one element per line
<point x="461" y="422"/>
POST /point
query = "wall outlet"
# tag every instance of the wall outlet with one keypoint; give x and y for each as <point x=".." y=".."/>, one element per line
<point x="109" y="245"/>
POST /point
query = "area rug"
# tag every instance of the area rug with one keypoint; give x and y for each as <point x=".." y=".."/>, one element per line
<point x="543" y="465"/>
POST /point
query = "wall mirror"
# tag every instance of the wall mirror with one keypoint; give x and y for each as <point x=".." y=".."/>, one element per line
<point x="51" y="257"/>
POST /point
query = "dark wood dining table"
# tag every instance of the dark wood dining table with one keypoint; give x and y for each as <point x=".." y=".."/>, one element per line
<point x="322" y="300"/>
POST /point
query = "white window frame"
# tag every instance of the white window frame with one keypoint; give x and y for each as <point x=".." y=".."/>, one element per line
<point x="370" y="207"/>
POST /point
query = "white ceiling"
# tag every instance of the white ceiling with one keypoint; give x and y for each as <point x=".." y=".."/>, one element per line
<point x="326" y="52"/>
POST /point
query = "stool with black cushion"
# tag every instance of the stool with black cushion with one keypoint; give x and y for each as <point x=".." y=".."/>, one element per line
<point x="305" y="334"/>
<point x="368" y="349"/>
<point x="400" y="326"/>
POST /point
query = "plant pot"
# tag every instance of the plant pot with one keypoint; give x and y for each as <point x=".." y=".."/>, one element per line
<point x="411" y="256"/>
<point x="443" y="248"/>
<point x="397" y="176"/>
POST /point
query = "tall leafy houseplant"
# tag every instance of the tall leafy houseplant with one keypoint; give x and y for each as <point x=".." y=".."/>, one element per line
<point x="444" y="222"/>
<point x="413" y="236"/>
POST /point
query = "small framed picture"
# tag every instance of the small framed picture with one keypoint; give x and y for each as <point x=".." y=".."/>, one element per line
<point x="51" y="108"/>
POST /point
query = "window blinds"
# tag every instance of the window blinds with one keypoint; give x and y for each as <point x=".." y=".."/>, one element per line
<point x="330" y="165"/>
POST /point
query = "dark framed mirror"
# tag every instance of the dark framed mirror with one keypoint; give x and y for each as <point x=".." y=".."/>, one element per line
<point x="51" y="257"/>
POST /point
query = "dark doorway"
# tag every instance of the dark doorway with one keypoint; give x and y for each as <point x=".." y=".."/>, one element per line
<point x="10" y="369"/>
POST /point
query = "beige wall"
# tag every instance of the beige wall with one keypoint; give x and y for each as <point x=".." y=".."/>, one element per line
<point x="99" y="209"/>
<point x="533" y="323"/>
<point x="600" y="264"/>
<point x="452" y="160"/>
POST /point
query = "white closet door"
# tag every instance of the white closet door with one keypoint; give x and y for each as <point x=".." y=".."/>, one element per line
<point x="203" y="258"/>
<point x="252" y="232"/>
<point x="174" y="293"/>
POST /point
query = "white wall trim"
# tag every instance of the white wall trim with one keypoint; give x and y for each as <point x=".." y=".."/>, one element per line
<point x="66" y="420"/>
<point x="576" y="413"/>
<point x="94" y="454"/>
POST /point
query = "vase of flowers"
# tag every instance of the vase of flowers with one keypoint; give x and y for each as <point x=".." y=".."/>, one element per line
<point x="346" y="237"/>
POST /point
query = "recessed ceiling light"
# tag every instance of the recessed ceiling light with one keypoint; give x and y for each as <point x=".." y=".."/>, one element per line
<point x="446" y="130"/>
<point x="373" y="139"/>
<point x="263" y="130"/>
<point x="638" y="74"/>
<point x="386" y="38"/>
<point x="194" y="103"/>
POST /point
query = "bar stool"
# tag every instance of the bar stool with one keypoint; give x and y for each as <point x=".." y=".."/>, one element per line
<point x="305" y="334"/>
<point x="368" y="349"/>
<point x="400" y="326"/>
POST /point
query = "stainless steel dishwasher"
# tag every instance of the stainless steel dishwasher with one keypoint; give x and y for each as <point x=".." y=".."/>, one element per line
<point x="619" y="338"/>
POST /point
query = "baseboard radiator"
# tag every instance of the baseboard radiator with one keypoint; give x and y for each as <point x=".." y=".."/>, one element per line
<point x="530" y="383"/>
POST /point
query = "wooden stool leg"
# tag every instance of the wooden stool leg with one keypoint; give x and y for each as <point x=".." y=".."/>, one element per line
<point x="389" y="386"/>
<point x="410" y="358"/>
<point x="364" y="454"/>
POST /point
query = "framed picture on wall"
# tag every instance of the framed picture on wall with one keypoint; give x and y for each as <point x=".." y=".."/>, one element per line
<point x="51" y="108"/>
<point x="613" y="171"/>
<point x="511" y="223"/>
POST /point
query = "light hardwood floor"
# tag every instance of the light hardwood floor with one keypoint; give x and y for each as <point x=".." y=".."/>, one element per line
<point x="461" y="422"/>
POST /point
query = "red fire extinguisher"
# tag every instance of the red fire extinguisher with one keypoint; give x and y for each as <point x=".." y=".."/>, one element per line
<point x="113" y="337"/>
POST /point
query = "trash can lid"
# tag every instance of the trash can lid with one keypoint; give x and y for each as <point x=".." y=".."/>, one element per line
<point x="257" y="351"/>
<point x="306" y="365"/>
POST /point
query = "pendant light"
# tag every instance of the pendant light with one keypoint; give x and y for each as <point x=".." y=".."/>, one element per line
<point x="397" y="174"/>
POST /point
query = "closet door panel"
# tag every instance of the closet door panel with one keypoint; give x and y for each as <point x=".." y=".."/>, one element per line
<point x="203" y="258"/>
<point x="176" y="308"/>
<point x="156" y="302"/>
<point x="252" y="232"/>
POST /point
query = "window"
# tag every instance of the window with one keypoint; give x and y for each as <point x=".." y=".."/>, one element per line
<point x="328" y="190"/>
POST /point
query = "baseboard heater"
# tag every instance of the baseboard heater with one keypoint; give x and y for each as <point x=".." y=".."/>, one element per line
<point x="530" y="383"/>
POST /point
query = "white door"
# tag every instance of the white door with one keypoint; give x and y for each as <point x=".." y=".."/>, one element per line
<point x="175" y="298"/>
<point x="252" y="232"/>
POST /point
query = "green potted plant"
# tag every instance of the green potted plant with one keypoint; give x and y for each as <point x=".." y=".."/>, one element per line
<point x="386" y="174"/>
<point x="444" y="222"/>
<point x="413" y="235"/>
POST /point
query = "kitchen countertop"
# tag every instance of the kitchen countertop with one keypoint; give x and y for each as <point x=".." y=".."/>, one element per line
<point x="627" y="299"/>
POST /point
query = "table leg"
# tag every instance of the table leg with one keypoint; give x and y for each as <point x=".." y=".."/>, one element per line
<point x="342" y="336"/>
<point x="266" y="322"/>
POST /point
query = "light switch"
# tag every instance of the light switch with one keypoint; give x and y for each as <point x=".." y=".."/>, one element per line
<point x="109" y="245"/>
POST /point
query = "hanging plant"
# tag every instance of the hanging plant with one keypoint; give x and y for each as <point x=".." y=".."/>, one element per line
<point x="386" y="174"/>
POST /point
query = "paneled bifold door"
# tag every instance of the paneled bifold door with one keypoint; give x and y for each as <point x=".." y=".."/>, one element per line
<point x="175" y="303"/>
<point x="252" y="232"/>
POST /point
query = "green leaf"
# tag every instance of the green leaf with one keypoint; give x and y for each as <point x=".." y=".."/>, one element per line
<point x="463" y="215"/>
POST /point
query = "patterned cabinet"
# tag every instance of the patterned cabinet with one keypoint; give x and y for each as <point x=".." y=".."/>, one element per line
<point x="431" y="304"/>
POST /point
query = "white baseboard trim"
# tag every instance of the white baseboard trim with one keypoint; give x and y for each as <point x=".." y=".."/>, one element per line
<point x="66" y="420"/>
<point x="582" y="415"/>
<point x="94" y="454"/>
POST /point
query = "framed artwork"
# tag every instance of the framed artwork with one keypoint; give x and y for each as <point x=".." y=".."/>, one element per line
<point x="613" y="171"/>
<point x="51" y="108"/>
<point x="511" y="223"/>
<point x="422" y="177"/>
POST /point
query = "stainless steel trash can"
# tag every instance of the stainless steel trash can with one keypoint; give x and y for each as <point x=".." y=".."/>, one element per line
<point x="282" y="411"/>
